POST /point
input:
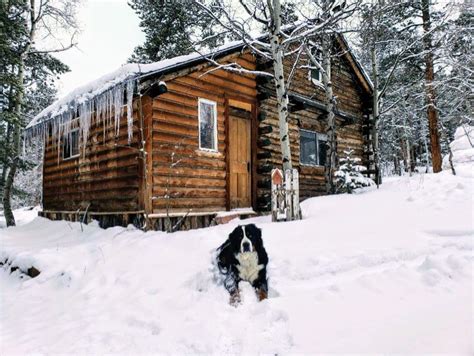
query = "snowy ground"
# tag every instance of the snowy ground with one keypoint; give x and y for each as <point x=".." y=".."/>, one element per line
<point x="386" y="271"/>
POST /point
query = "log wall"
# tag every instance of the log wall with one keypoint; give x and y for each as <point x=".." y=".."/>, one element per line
<point x="108" y="176"/>
<point x="105" y="177"/>
<point x="184" y="177"/>
<point x="351" y="98"/>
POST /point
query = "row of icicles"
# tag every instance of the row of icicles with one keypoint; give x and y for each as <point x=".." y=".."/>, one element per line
<point x="106" y="108"/>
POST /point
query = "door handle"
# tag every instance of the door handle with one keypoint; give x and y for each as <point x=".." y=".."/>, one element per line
<point x="248" y="167"/>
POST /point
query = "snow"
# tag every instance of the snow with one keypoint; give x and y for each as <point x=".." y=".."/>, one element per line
<point x="22" y="216"/>
<point x="385" y="271"/>
<point x="463" y="150"/>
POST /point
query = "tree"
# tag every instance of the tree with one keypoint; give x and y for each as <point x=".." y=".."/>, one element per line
<point x="349" y="176"/>
<point x="172" y="28"/>
<point x="28" y="69"/>
<point x="432" y="111"/>
<point x="276" y="43"/>
<point x="395" y="46"/>
<point x="334" y="13"/>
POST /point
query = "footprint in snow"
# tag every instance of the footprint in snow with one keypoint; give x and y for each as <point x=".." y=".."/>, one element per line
<point x="152" y="327"/>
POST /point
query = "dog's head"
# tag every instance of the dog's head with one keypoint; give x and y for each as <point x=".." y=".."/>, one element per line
<point x="246" y="238"/>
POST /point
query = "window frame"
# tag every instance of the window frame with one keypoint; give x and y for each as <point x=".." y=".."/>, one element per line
<point x="216" y="144"/>
<point x="319" y="57"/>
<point x="69" y="141"/>
<point x="318" y="137"/>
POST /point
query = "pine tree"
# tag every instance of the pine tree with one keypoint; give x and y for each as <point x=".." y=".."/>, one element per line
<point x="27" y="76"/>
<point x="349" y="176"/>
<point x="172" y="28"/>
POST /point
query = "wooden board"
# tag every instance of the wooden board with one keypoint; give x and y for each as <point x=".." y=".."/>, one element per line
<point x="239" y="157"/>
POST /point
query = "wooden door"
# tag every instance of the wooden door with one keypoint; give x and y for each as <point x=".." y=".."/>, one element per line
<point x="239" y="157"/>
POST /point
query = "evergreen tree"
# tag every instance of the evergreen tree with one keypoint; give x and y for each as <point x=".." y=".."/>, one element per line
<point x="172" y="28"/>
<point x="349" y="176"/>
<point x="27" y="77"/>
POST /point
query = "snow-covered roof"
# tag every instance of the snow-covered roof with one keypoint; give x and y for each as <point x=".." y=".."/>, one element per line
<point x="106" y="92"/>
<point x="127" y="72"/>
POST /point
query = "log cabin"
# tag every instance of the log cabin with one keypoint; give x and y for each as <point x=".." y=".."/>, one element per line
<point x="179" y="141"/>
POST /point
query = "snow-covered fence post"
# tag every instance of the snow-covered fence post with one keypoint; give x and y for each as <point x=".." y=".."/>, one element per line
<point x="296" y="195"/>
<point x="288" y="198"/>
<point x="285" y="195"/>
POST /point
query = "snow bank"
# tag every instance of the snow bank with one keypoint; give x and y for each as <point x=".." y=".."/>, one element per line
<point x="387" y="271"/>
<point x="22" y="216"/>
<point x="463" y="150"/>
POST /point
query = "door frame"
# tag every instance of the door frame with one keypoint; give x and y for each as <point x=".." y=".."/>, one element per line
<point x="253" y="148"/>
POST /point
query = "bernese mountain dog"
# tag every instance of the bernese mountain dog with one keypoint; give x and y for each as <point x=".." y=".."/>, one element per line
<point x="242" y="257"/>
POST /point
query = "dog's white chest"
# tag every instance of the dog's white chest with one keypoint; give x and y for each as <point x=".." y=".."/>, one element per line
<point x="248" y="266"/>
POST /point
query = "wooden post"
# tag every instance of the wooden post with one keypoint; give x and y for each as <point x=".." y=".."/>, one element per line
<point x="288" y="200"/>
<point x="285" y="195"/>
<point x="296" y="195"/>
<point x="277" y="182"/>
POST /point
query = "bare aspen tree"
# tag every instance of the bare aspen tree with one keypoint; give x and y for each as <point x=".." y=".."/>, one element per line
<point x="276" y="43"/>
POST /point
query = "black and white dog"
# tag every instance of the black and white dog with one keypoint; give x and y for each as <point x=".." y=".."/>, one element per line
<point x="242" y="257"/>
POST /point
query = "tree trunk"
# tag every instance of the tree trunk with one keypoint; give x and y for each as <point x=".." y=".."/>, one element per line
<point x="331" y="117"/>
<point x="375" y="114"/>
<point x="396" y="165"/>
<point x="30" y="23"/>
<point x="281" y="92"/>
<point x="408" y="156"/>
<point x="7" y="208"/>
<point x="15" y="149"/>
<point x="432" y="112"/>
<point x="427" y="153"/>
<point x="5" y="159"/>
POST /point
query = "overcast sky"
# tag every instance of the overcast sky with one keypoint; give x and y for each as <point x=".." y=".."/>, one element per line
<point x="109" y="33"/>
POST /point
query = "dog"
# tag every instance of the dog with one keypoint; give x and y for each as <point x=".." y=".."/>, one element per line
<point x="242" y="257"/>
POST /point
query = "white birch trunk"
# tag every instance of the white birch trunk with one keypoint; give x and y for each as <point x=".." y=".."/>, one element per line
<point x="331" y="117"/>
<point x="281" y="92"/>
<point x="375" y="113"/>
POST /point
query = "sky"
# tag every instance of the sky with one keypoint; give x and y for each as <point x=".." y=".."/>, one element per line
<point x="109" y="33"/>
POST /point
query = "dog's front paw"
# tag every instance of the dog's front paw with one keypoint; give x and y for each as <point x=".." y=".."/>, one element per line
<point x="261" y="294"/>
<point x="235" y="298"/>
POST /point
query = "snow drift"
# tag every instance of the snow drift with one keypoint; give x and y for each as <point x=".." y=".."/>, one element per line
<point x="463" y="150"/>
<point x="387" y="271"/>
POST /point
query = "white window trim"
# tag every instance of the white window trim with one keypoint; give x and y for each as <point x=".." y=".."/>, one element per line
<point x="319" y="136"/>
<point x="79" y="151"/>
<point x="214" y="104"/>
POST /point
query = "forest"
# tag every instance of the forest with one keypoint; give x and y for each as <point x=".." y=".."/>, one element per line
<point x="123" y="232"/>
<point x="418" y="55"/>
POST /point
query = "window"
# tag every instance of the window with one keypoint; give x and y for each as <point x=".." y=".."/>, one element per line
<point x="315" y="73"/>
<point x="71" y="144"/>
<point x="207" y="125"/>
<point x="313" y="148"/>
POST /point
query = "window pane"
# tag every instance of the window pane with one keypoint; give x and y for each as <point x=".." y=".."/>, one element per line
<point x="66" y="147"/>
<point x="207" y="125"/>
<point x="316" y="74"/>
<point x="322" y="149"/>
<point x="71" y="144"/>
<point x="75" y="143"/>
<point x="308" y="147"/>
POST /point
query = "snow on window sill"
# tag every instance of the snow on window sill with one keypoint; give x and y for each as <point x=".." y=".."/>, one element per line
<point x="71" y="157"/>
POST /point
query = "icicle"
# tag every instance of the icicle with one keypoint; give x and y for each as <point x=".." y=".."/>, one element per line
<point x="129" y="104"/>
<point x="106" y="108"/>
<point x="118" y="106"/>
